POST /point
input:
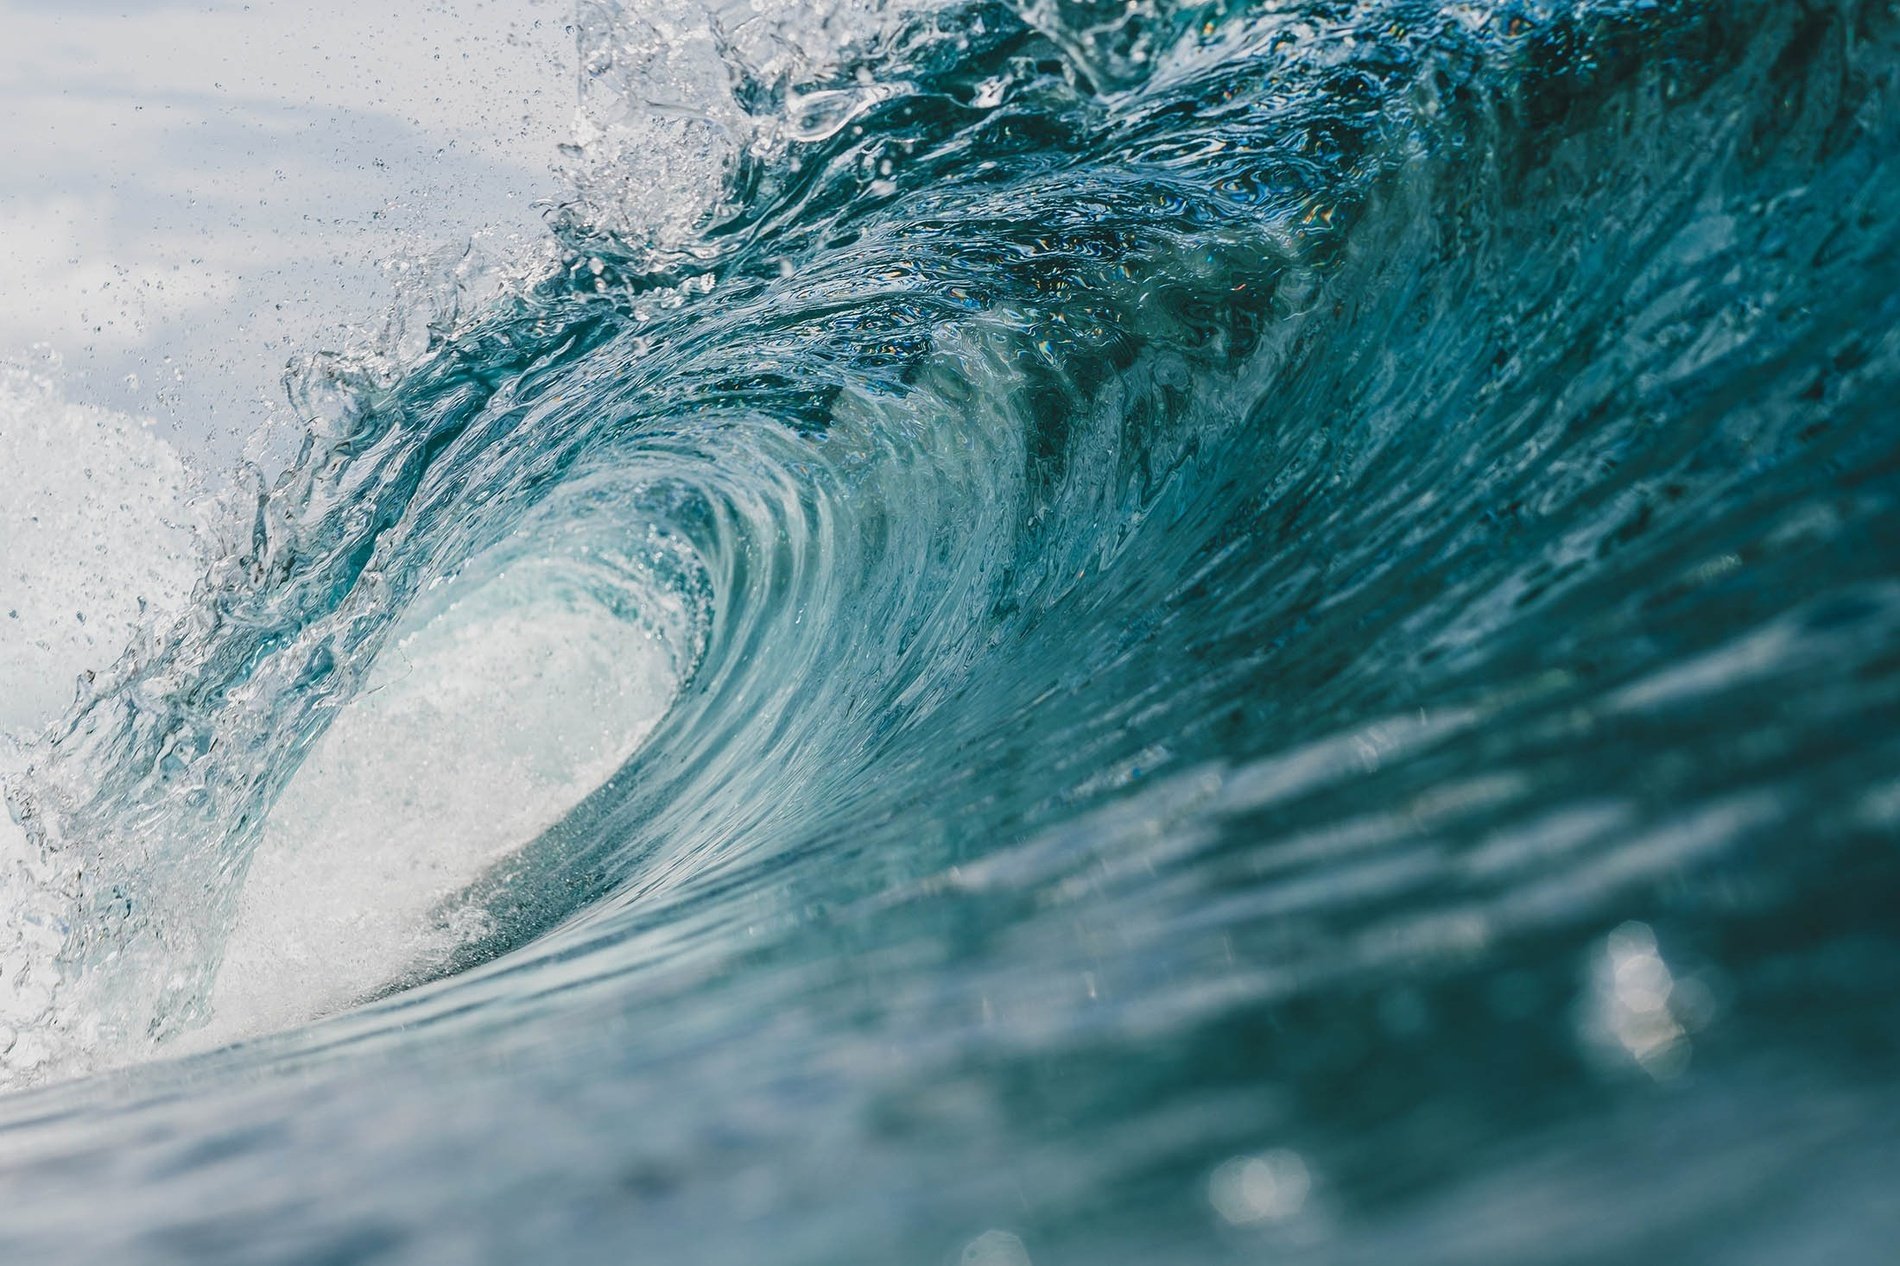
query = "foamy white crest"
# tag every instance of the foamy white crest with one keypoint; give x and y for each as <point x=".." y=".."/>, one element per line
<point x="100" y="536"/>
<point x="101" y="531"/>
<point x="661" y="121"/>
<point x="483" y="722"/>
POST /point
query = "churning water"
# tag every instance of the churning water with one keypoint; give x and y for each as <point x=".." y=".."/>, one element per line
<point x="1078" y="631"/>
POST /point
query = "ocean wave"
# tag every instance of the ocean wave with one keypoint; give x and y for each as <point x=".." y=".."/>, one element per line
<point x="1115" y="620"/>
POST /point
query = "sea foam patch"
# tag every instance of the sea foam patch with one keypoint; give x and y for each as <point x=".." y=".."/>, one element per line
<point x="101" y="530"/>
<point x="493" y="711"/>
<point x="101" y="537"/>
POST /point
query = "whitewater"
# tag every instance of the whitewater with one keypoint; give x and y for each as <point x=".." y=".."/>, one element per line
<point x="1031" y="632"/>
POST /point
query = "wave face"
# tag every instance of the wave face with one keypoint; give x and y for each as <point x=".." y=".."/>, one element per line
<point x="1082" y="632"/>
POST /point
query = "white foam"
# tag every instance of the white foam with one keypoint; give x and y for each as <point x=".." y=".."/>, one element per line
<point x="99" y="538"/>
<point x="661" y="119"/>
<point x="476" y="731"/>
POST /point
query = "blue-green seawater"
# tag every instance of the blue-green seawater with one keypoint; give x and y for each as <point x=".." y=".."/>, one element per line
<point x="1289" y="618"/>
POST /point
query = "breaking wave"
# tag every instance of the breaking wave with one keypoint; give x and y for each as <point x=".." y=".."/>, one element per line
<point x="1113" y="632"/>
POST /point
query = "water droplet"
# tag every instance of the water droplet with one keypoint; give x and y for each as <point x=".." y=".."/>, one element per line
<point x="1269" y="1187"/>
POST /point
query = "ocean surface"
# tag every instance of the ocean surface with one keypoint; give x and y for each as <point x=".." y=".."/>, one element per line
<point x="1055" y="632"/>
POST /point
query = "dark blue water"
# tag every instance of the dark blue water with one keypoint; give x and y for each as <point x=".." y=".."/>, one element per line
<point x="1280" y="633"/>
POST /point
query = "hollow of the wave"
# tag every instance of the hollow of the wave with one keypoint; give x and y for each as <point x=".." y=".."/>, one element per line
<point x="495" y="708"/>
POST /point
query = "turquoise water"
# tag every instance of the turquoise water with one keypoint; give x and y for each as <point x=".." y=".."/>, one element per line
<point x="1204" y="633"/>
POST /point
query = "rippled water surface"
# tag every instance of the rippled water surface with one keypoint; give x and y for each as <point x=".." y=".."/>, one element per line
<point x="1080" y="632"/>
